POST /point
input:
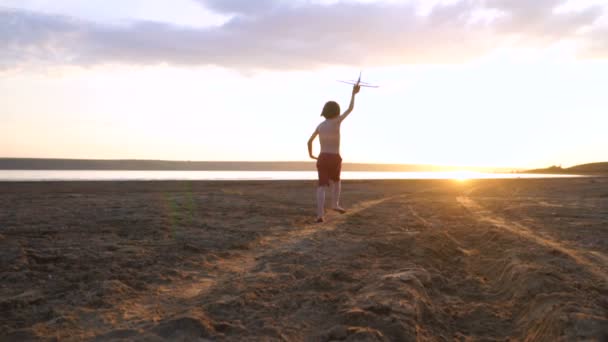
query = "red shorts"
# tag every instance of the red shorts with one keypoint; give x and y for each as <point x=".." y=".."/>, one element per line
<point x="329" y="166"/>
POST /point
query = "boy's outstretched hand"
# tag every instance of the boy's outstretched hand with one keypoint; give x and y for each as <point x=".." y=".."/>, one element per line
<point x="356" y="89"/>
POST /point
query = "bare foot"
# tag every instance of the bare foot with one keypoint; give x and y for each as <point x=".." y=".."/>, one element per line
<point x="339" y="209"/>
<point x="320" y="220"/>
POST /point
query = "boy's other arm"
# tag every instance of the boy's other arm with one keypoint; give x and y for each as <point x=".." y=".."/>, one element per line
<point x="356" y="89"/>
<point x="312" y="138"/>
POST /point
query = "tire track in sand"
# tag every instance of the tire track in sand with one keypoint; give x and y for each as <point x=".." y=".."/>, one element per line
<point x="431" y="226"/>
<point x="308" y="230"/>
<point x="171" y="300"/>
<point x="485" y="215"/>
<point x="246" y="261"/>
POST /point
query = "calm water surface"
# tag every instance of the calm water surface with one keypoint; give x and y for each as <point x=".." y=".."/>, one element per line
<point x="92" y="175"/>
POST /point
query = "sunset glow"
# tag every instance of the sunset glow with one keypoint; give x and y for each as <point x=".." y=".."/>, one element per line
<point x="513" y="84"/>
<point x="462" y="176"/>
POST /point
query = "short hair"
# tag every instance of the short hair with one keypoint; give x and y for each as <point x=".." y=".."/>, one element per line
<point x="331" y="110"/>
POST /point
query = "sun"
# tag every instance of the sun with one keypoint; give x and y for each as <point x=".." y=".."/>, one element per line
<point x="462" y="176"/>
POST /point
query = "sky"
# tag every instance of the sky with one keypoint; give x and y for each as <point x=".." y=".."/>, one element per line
<point x="496" y="83"/>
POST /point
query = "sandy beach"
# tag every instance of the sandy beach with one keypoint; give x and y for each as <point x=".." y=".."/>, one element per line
<point x="426" y="260"/>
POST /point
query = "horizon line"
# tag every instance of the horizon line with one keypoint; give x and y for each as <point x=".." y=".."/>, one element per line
<point x="260" y="161"/>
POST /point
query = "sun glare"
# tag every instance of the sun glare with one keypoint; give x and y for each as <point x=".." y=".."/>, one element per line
<point x="463" y="176"/>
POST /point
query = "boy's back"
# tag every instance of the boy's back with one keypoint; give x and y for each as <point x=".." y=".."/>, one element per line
<point x="329" y="136"/>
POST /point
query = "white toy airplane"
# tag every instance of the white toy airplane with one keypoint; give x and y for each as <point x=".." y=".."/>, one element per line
<point x="359" y="83"/>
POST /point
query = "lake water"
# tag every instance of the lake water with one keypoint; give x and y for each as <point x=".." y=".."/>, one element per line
<point x="92" y="175"/>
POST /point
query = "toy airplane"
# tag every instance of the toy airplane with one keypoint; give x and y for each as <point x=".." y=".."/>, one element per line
<point x="359" y="83"/>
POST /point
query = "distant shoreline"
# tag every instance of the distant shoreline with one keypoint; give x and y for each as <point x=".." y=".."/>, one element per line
<point x="600" y="168"/>
<point x="165" y="165"/>
<point x="121" y="175"/>
<point x="597" y="169"/>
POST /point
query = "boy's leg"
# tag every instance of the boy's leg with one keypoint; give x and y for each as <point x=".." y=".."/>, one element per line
<point x="320" y="203"/>
<point x="336" y="186"/>
<point x="332" y="186"/>
<point x="324" y="171"/>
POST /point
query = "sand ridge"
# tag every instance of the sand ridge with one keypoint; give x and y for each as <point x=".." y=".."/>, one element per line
<point x="597" y="269"/>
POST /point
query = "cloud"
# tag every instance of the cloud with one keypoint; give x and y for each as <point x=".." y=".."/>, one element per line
<point x="276" y="34"/>
<point x="540" y="18"/>
<point x="242" y="7"/>
<point x="597" y="46"/>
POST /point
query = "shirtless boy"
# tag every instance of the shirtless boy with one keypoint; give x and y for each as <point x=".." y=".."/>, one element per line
<point x="329" y="162"/>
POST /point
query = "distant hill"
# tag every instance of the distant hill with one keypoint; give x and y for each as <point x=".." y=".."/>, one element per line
<point x="164" y="165"/>
<point x="584" y="169"/>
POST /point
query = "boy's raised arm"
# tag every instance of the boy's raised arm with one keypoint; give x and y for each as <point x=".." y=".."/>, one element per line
<point x="356" y="89"/>
<point x="312" y="138"/>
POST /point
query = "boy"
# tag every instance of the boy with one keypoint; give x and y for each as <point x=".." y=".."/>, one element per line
<point x="329" y="162"/>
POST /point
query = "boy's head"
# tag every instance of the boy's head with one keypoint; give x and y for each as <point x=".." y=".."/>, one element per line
<point x="331" y="110"/>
